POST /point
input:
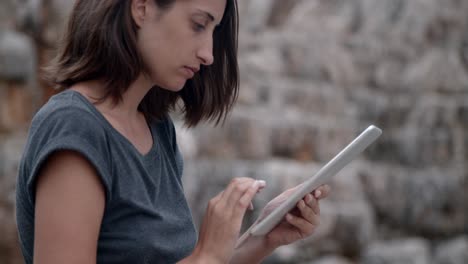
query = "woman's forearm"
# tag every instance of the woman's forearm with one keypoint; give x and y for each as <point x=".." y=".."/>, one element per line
<point x="198" y="257"/>
<point x="254" y="250"/>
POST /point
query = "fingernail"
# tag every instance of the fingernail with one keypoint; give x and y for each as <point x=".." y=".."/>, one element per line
<point x="254" y="184"/>
<point x="301" y="204"/>
<point x="251" y="207"/>
<point x="261" y="183"/>
<point x="309" y="198"/>
<point x="318" y="193"/>
<point x="289" y="217"/>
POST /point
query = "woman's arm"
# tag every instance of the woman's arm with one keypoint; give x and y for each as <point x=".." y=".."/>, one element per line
<point x="254" y="250"/>
<point x="70" y="202"/>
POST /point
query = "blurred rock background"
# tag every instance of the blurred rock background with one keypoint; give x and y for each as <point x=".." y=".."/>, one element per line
<point x="314" y="73"/>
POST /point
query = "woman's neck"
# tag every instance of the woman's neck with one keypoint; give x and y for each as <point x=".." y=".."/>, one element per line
<point x="127" y="109"/>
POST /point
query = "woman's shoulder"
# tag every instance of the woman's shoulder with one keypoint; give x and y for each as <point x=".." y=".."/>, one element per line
<point x="66" y="113"/>
<point x="65" y="105"/>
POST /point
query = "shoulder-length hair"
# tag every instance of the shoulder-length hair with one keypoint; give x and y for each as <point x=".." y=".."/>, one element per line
<point x="100" y="43"/>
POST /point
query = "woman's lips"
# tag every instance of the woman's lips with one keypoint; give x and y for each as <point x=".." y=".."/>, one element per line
<point x="190" y="71"/>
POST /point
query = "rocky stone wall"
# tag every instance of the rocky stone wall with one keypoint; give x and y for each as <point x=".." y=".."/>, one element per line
<point x="314" y="73"/>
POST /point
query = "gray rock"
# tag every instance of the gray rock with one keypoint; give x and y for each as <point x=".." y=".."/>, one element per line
<point x="388" y="74"/>
<point x="429" y="202"/>
<point x="7" y="13"/>
<point x="337" y="17"/>
<point x="292" y="142"/>
<point x="255" y="91"/>
<point x="411" y="250"/>
<point x="438" y="70"/>
<point x="30" y="17"/>
<point x="313" y="139"/>
<point x="55" y="23"/>
<point x="10" y="153"/>
<point x="322" y="59"/>
<point x="412" y="29"/>
<point x="17" y="56"/>
<point x="257" y="12"/>
<point x="265" y="61"/>
<point x="433" y="145"/>
<point x="378" y="17"/>
<point x="464" y="50"/>
<point x="186" y="141"/>
<point x="244" y="137"/>
<point x="280" y="11"/>
<point x="315" y="97"/>
<point x="11" y="148"/>
<point x="331" y="260"/>
<point x="454" y="251"/>
<point x="345" y="228"/>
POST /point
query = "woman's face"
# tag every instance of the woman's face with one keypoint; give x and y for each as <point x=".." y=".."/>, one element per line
<point x="174" y="43"/>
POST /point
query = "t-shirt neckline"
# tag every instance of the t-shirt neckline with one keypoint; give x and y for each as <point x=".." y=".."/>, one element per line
<point x="114" y="131"/>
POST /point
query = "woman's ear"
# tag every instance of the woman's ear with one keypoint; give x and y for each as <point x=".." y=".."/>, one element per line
<point x="139" y="11"/>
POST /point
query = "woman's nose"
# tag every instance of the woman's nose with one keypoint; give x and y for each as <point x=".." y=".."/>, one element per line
<point x="205" y="53"/>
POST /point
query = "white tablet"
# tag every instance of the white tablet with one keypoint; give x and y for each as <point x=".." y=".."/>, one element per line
<point x="321" y="177"/>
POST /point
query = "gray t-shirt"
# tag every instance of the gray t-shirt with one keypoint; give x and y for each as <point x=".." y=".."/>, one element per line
<point x="146" y="217"/>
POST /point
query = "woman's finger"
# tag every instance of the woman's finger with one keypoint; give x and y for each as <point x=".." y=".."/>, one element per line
<point x="312" y="203"/>
<point x="217" y="197"/>
<point x="237" y="191"/>
<point x="233" y="184"/>
<point x="308" y="213"/>
<point x="305" y="227"/>
<point x="322" y="191"/>
<point x="260" y="188"/>
<point x="247" y="197"/>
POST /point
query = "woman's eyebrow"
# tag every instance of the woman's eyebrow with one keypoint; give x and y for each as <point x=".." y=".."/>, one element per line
<point x="207" y="14"/>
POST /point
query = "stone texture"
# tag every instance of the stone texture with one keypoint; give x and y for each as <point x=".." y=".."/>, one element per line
<point x="16" y="106"/>
<point x="55" y="23"/>
<point x="241" y="137"/>
<point x="337" y="17"/>
<point x="411" y="250"/>
<point x="454" y="251"/>
<point x="427" y="202"/>
<point x="7" y="14"/>
<point x="438" y="70"/>
<point x="255" y="13"/>
<point x="10" y="153"/>
<point x="331" y="260"/>
<point x="29" y="17"/>
<point x="346" y="228"/>
<point x="17" y="56"/>
<point x="321" y="59"/>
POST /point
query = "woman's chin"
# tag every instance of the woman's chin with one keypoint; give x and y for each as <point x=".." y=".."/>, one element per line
<point x="173" y="87"/>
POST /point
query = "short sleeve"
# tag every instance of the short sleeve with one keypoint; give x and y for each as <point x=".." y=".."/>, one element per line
<point x="69" y="128"/>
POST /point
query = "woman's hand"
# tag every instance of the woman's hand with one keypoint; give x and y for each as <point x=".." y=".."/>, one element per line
<point x="300" y="222"/>
<point x="222" y="221"/>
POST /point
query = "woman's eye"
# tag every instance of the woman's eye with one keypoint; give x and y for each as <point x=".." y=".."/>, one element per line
<point x="198" y="27"/>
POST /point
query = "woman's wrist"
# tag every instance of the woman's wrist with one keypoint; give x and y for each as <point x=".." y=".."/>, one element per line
<point x="254" y="250"/>
<point x="265" y="244"/>
<point x="200" y="257"/>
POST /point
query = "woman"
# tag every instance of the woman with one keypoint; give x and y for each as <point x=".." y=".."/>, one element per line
<point x="100" y="178"/>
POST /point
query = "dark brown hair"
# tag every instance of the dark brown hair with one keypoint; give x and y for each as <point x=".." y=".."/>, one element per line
<point x="100" y="43"/>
